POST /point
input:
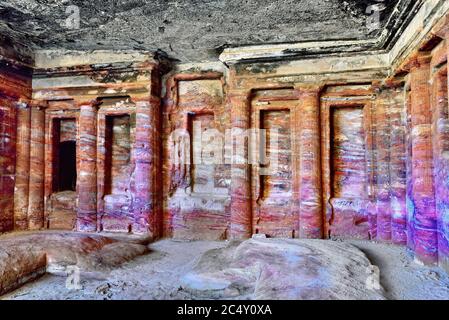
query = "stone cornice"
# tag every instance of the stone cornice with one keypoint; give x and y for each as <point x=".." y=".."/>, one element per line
<point x="282" y="56"/>
<point x="313" y="49"/>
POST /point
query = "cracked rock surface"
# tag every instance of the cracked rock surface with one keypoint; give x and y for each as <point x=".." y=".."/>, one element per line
<point x="187" y="30"/>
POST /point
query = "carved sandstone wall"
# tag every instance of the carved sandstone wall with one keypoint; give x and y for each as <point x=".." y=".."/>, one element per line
<point x="112" y="115"/>
<point x="196" y="188"/>
<point x="359" y="143"/>
<point x="15" y="94"/>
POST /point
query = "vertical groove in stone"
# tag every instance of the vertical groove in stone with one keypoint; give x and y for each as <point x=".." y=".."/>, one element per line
<point x="423" y="197"/>
<point x="87" y="171"/>
<point x="241" y="215"/>
<point x="37" y="169"/>
<point x="21" y="194"/>
<point x="311" y="212"/>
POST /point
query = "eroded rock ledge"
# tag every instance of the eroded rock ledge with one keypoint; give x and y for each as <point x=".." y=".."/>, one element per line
<point x="27" y="256"/>
<point x="265" y="269"/>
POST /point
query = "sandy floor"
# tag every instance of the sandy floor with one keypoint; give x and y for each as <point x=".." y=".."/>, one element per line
<point x="156" y="275"/>
<point x="402" y="278"/>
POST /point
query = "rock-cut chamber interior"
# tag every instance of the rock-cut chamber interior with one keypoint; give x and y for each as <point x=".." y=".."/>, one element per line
<point x="124" y="137"/>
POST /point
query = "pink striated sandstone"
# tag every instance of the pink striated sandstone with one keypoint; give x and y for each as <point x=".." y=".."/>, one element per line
<point x="422" y="204"/>
<point x="311" y="213"/>
<point x="37" y="167"/>
<point x="22" y="167"/>
<point x="87" y="175"/>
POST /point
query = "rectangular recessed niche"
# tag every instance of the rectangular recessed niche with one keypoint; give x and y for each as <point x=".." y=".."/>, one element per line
<point x="202" y="175"/>
<point x="118" y="153"/>
<point x="276" y="125"/>
<point x="348" y="153"/>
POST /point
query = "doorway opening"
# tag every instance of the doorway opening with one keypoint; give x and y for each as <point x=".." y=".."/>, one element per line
<point x="64" y="156"/>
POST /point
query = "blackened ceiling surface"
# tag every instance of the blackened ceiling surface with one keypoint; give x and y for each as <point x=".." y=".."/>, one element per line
<point x="196" y="30"/>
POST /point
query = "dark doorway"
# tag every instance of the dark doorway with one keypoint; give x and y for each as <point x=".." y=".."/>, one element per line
<point x="67" y="166"/>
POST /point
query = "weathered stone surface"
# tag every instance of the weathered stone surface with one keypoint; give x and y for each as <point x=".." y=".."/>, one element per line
<point x="87" y="177"/>
<point x="274" y="173"/>
<point x="390" y="161"/>
<point x="440" y="142"/>
<point x="310" y="207"/>
<point x="347" y="156"/>
<point x="144" y="151"/>
<point x="422" y="204"/>
<point x="115" y="165"/>
<point x="37" y="169"/>
<point x="7" y="164"/>
<point x="266" y="269"/>
<point x="195" y="30"/>
<point x="196" y="187"/>
<point x="26" y="256"/>
<point x="22" y="167"/>
<point x="360" y="155"/>
<point x="147" y="153"/>
<point x="63" y="211"/>
<point x="15" y="92"/>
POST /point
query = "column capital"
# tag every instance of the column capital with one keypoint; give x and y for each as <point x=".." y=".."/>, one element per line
<point x="390" y="83"/>
<point x="39" y="104"/>
<point x="308" y="89"/>
<point x="233" y="93"/>
<point x="141" y="100"/>
<point x="92" y="102"/>
<point x="417" y="61"/>
<point x="22" y="105"/>
<point x="441" y="28"/>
